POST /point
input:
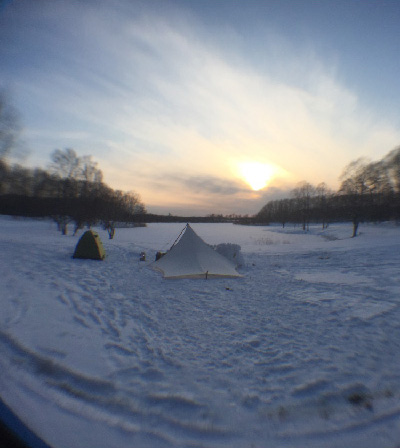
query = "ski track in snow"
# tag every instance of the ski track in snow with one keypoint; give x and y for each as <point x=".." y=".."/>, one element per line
<point x="268" y="360"/>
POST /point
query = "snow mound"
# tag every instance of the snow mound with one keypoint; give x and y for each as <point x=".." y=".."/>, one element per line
<point x="231" y="252"/>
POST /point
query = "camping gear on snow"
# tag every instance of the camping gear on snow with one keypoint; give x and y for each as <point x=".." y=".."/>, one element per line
<point x="159" y="254"/>
<point x="191" y="257"/>
<point x="90" y="246"/>
<point x="231" y="252"/>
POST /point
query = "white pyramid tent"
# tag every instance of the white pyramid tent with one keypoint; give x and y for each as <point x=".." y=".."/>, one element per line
<point x="191" y="257"/>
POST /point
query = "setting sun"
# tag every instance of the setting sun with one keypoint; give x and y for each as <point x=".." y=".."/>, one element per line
<point x="256" y="174"/>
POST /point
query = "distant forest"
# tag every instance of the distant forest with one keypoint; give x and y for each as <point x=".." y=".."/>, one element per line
<point x="72" y="192"/>
<point x="369" y="192"/>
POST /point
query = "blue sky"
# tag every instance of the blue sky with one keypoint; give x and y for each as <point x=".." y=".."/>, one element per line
<point x="188" y="103"/>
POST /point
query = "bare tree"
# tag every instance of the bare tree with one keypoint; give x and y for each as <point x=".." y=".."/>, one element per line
<point x="9" y="125"/>
<point x="9" y="131"/>
<point x="355" y="186"/>
<point x="303" y="194"/>
<point x="392" y="164"/>
<point x="354" y="177"/>
<point x="89" y="170"/>
<point x="79" y="177"/>
<point x="323" y="192"/>
<point x="66" y="164"/>
<point x="121" y="207"/>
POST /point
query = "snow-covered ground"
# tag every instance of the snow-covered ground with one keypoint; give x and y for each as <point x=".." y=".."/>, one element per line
<point x="303" y="351"/>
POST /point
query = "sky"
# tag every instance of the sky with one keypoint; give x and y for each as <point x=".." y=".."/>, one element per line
<point x="205" y="106"/>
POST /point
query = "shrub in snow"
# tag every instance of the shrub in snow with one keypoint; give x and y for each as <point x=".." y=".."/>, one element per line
<point x="231" y="252"/>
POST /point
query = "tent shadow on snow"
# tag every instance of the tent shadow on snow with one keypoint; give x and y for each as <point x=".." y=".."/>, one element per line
<point x="191" y="257"/>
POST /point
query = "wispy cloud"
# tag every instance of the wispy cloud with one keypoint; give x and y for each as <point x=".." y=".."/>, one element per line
<point x="169" y="110"/>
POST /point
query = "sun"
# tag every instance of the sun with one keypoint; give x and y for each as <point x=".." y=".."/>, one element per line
<point x="256" y="174"/>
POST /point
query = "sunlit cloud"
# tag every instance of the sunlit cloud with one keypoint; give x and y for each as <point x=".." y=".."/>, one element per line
<point x="171" y="113"/>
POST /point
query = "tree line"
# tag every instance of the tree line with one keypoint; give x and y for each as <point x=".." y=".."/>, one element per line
<point x="71" y="192"/>
<point x="369" y="192"/>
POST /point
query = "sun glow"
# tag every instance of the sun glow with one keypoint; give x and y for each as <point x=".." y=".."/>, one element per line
<point x="256" y="174"/>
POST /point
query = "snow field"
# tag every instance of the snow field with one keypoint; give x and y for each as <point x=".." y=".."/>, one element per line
<point x="301" y="351"/>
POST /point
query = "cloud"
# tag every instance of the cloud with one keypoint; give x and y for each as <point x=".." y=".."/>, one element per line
<point x="213" y="185"/>
<point x="196" y="185"/>
<point x="151" y="95"/>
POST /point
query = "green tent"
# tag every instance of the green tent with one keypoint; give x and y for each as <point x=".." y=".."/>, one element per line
<point x="90" y="246"/>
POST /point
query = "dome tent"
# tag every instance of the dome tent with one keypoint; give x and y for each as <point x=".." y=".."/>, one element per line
<point x="90" y="246"/>
<point x="191" y="257"/>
